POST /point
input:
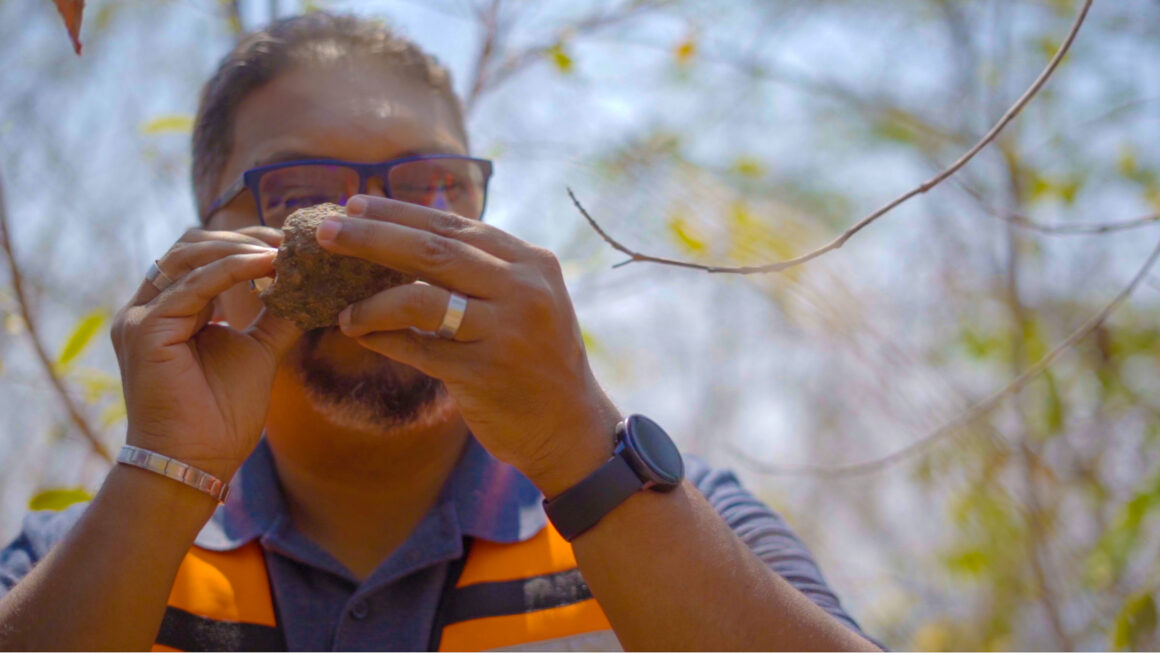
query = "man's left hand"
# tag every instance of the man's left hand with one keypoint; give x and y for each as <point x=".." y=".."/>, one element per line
<point x="517" y="367"/>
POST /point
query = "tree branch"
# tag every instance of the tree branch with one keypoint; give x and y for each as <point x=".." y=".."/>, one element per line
<point x="926" y="186"/>
<point x="486" y="80"/>
<point x="30" y="324"/>
<point x="234" y="18"/>
<point x="1020" y="220"/>
<point x="490" y="21"/>
<point x="1063" y="229"/>
<point x="974" y="412"/>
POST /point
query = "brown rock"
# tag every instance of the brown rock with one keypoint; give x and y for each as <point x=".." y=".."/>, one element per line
<point x="311" y="285"/>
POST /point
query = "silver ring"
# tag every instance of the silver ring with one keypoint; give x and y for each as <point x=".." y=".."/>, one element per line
<point x="456" y="307"/>
<point x="157" y="277"/>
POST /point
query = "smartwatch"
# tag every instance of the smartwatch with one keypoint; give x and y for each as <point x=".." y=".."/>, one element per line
<point x="645" y="458"/>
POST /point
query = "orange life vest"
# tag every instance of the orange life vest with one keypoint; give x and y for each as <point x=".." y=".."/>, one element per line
<point x="526" y="594"/>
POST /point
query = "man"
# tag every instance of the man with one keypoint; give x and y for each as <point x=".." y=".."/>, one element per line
<point x="387" y="473"/>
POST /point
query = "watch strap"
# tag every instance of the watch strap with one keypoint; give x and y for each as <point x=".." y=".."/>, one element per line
<point x="581" y="506"/>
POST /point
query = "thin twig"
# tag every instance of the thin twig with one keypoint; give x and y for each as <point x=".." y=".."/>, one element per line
<point x="516" y="62"/>
<point x="490" y="21"/>
<point x="1063" y="229"/>
<point x="976" y="411"/>
<point x="30" y="325"/>
<point x="926" y="186"/>
<point x="1079" y="228"/>
<point x="234" y="18"/>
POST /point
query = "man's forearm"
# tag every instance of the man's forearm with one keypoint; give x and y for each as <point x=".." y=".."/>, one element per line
<point x="671" y="575"/>
<point x="105" y="585"/>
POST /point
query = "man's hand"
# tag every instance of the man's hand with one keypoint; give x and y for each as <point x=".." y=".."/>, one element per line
<point x="196" y="391"/>
<point x="517" y="366"/>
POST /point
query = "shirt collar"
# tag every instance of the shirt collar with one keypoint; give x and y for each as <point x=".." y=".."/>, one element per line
<point x="491" y="500"/>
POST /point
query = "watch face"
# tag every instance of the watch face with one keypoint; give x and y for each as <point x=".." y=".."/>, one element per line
<point x="656" y="450"/>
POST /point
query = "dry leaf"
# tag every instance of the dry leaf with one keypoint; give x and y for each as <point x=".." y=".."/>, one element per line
<point x="71" y="12"/>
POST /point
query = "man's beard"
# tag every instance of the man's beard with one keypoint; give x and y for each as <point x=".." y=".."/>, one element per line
<point x="384" y="398"/>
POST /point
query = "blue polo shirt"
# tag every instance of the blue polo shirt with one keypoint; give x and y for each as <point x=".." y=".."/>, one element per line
<point x="320" y="604"/>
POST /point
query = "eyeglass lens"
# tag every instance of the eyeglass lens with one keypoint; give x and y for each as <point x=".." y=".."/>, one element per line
<point x="454" y="185"/>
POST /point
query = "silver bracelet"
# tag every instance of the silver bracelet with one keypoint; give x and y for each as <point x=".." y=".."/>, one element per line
<point x="174" y="469"/>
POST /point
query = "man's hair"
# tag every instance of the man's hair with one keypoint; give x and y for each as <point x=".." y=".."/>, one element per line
<point x="317" y="37"/>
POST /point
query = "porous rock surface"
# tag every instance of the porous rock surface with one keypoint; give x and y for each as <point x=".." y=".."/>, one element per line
<point x="311" y="285"/>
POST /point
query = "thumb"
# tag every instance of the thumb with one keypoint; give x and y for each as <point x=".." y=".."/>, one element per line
<point x="274" y="333"/>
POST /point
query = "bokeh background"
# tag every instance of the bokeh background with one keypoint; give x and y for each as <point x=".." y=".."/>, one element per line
<point x="730" y="133"/>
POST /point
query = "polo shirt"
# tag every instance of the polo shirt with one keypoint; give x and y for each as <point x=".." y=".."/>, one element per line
<point x="322" y="606"/>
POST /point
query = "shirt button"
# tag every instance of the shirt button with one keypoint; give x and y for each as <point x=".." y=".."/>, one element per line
<point x="359" y="610"/>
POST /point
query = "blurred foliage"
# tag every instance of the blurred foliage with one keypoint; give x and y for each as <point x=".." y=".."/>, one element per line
<point x="180" y="124"/>
<point x="81" y="336"/>
<point x="58" y="499"/>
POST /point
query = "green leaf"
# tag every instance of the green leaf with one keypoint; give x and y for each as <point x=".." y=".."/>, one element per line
<point x="113" y="413"/>
<point x="684" y="234"/>
<point x="1055" y="415"/>
<point x="1047" y="46"/>
<point x="591" y="344"/>
<point x="58" y="498"/>
<point x="105" y="16"/>
<point x="170" y="123"/>
<point x="82" y="334"/>
<point x="748" y="166"/>
<point x="981" y="345"/>
<point x="1064" y="188"/>
<point x="13" y="324"/>
<point x="561" y="58"/>
<point x="1136" y="622"/>
<point x="970" y="562"/>
<point x="685" y="50"/>
<point x="893" y="130"/>
<point x="96" y="384"/>
<point x="1127" y="164"/>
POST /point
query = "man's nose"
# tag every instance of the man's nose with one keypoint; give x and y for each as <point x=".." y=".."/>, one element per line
<point x="376" y="187"/>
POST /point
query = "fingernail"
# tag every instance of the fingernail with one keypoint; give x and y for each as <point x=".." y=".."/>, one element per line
<point x="328" y="230"/>
<point x="344" y="319"/>
<point x="356" y="205"/>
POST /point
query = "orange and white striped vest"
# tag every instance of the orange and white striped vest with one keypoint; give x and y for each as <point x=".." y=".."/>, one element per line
<point x="524" y="595"/>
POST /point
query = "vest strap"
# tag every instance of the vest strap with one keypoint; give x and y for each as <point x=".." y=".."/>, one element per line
<point x="454" y="573"/>
<point x="497" y="599"/>
<point x="186" y="631"/>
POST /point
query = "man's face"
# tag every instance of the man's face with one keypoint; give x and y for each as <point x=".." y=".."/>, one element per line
<point x="354" y="110"/>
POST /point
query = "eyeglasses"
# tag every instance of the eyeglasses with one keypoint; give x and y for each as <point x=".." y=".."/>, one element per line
<point x="447" y="182"/>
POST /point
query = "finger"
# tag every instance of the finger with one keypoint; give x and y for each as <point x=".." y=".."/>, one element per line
<point x="430" y="355"/>
<point x="187" y="255"/>
<point x="255" y="235"/>
<point x="438" y="260"/>
<point x="413" y="306"/>
<point x="274" y="333"/>
<point x="193" y="293"/>
<point x="489" y="238"/>
<point x="269" y="235"/>
<point x="190" y="256"/>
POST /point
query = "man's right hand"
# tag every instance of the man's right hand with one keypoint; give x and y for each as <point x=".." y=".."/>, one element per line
<point x="197" y="391"/>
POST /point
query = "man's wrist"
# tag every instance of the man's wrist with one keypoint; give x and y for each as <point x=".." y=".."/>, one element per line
<point x="222" y="467"/>
<point x="592" y="446"/>
<point x="169" y="505"/>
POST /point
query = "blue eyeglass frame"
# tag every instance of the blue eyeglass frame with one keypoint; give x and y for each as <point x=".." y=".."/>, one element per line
<point x="250" y="178"/>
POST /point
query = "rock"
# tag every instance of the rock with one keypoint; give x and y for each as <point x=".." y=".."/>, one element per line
<point x="311" y="285"/>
